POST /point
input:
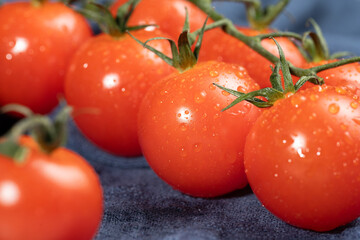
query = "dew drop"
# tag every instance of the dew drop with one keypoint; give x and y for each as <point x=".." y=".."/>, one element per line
<point x="334" y="108"/>
<point x="183" y="152"/>
<point x="214" y="73"/>
<point x="343" y="126"/>
<point x="85" y="65"/>
<point x="212" y="87"/>
<point x="164" y="92"/>
<point x="340" y="90"/>
<point x="239" y="74"/>
<point x="314" y="97"/>
<point x="225" y="93"/>
<point x="199" y="98"/>
<point x="354" y="105"/>
<point x="8" y="56"/>
<point x="197" y="147"/>
<point x="240" y="89"/>
<point x="183" y="127"/>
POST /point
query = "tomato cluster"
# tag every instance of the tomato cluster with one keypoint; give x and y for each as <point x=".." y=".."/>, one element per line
<point x="300" y="156"/>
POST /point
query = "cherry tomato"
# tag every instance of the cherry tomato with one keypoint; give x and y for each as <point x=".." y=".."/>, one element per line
<point x="56" y="196"/>
<point x="36" y="43"/>
<point x="110" y="77"/>
<point x="222" y="47"/>
<point x="185" y="137"/>
<point x="168" y="15"/>
<point x="302" y="158"/>
<point x="347" y="75"/>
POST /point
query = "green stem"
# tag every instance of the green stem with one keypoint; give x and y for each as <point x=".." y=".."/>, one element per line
<point x="280" y="34"/>
<point x="192" y="36"/>
<point x="255" y="42"/>
<point x="29" y="123"/>
<point x="334" y="64"/>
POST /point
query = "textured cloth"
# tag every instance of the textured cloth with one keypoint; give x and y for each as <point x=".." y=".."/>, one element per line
<point x="138" y="205"/>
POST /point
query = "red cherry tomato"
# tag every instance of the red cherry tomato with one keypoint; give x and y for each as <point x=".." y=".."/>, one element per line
<point x="36" y="44"/>
<point x="185" y="137"/>
<point x="302" y="158"/>
<point x="56" y="196"/>
<point x="168" y="15"/>
<point x="222" y="47"/>
<point x="111" y="76"/>
<point x="347" y="76"/>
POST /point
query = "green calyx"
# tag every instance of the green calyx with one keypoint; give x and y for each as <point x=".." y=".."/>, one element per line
<point x="183" y="58"/>
<point x="260" y="17"/>
<point x="49" y="134"/>
<point x="277" y="91"/>
<point x="37" y="3"/>
<point x="114" y="26"/>
<point x="314" y="46"/>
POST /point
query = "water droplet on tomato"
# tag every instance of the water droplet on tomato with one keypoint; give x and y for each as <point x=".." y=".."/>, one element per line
<point x="217" y="107"/>
<point x="199" y="98"/>
<point x="197" y="147"/>
<point x="183" y="127"/>
<point x="214" y="73"/>
<point x="240" y="89"/>
<point x="8" y="56"/>
<point x="85" y="65"/>
<point x="183" y="152"/>
<point x="343" y="126"/>
<point x="334" y="108"/>
<point x="212" y="87"/>
<point x="354" y="105"/>
<point x="340" y="90"/>
<point x="295" y="100"/>
<point x="329" y="131"/>
<point x="314" y="97"/>
<point x="225" y="93"/>
<point x="276" y="175"/>
<point x="163" y="92"/>
<point x="239" y="74"/>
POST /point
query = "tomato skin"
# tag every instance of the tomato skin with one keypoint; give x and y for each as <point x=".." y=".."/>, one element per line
<point x="302" y="158"/>
<point x="344" y="76"/>
<point x="185" y="137"/>
<point x="168" y="15"/>
<point x="56" y="196"/>
<point x="110" y="77"/>
<point x="220" y="46"/>
<point x="36" y="44"/>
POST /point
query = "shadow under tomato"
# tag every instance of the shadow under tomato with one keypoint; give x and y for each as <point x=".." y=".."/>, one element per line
<point x="6" y="122"/>
<point x="237" y="193"/>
